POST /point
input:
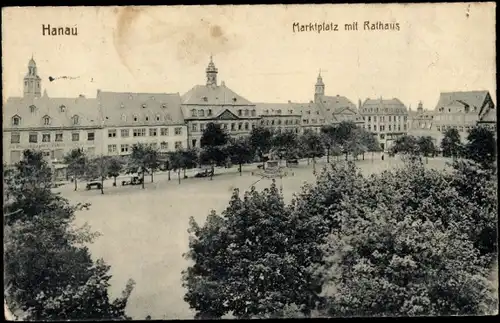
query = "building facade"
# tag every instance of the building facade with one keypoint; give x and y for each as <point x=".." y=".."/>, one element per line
<point x="214" y="103"/>
<point x="388" y="119"/>
<point x="462" y="111"/>
<point x="53" y="125"/>
<point x="279" y="116"/>
<point x="154" y="119"/>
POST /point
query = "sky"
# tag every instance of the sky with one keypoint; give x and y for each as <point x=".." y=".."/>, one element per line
<point x="439" y="48"/>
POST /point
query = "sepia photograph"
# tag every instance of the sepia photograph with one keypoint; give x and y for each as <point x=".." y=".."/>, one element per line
<point x="249" y="161"/>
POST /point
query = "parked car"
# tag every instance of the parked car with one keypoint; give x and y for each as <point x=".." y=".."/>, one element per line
<point x="90" y="185"/>
<point x="135" y="180"/>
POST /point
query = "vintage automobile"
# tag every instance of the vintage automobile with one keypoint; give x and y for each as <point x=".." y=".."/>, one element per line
<point x="135" y="180"/>
<point x="90" y="185"/>
<point x="205" y="172"/>
<point x="292" y="162"/>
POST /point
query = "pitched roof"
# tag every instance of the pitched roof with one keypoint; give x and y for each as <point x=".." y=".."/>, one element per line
<point x="337" y="104"/>
<point x="59" y="110"/>
<point x="120" y="108"/>
<point x="383" y="106"/>
<point x="213" y="95"/>
<point x="272" y="109"/>
<point x="490" y="116"/>
<point x="471" y="98"/>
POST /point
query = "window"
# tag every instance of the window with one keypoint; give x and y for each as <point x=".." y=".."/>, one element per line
<point x="157" y="118"/>
<point x="46" y="121"/>
<point x="15" y="138"/>
<point x="279" y="121"/>
<point x="272" y="122"/>
<point x="75" y="120"/>
<point x="139" y="132"/>
<point x="75" y="136"/>
<point x="62" y="108"/>
<point x="240" y="113"/>
<point x="16" y="121"/>
<point x="124" y="133"/>
<point x="33" y="138"/>
<point x="178" y="144"/>
<point x="46" y="137"/>
<point x="369" y="119"/>
<point x="382" y="136"/>
<point x="193" y="113"/>
<point x="164" y="131"/>
<point x="308" y="112"/>
<point x="246" y="125"/>
<point x="111" y="133"/>
<point x="406" y="118"/>
<point x="194" y="127"/>
<point x="240" y="125"/>
<point x="404" y="127"/>
<point x="153" y="132"/>
<point x="374" y="127"/>
<point x="144" y="106"/>
<point x="59" y="136"/>
<point x="124" y="148"/>
<point x="164" y="145"/>
<point x="178" y="131"/>
<point x="136" y="119"/>
<point x="374" y="118"/>
<point x="232" y="126"/>
<point x="297" y="121"/>
<point x="111" y="148"/>
<point x="202" y="126"/>
<point x="209" y="112"/>
<point x="201" y="113"/>
<point x="253" y="113"/>
<point x="124" y="117"/>
<point x="389" y="127"/>
<point x="253" y="125"/>
<point x="147" y="118"/>
<point x="399" y="127"/>
<point x="32" y="108"/>
<point x="90" y="136"/>
<point x="389" y="120"/>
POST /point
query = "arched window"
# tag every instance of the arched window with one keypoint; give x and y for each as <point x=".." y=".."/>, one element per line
<point x="157" y="117"/>
<point x="201" y="113"/>
<point x="62" y="108"/>
<point x="136" y="118"/>
<point x="32" y="108"/>
<point x="46" y="120"/>
<point x="124" y="117"/>
<point x="16" y="120"/>
<point x="75" y="119"/>
<point x="193" y="113"/>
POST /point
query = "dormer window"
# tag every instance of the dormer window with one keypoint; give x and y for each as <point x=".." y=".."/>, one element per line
<point x="467" y="109"/>
<point x="164" y="106"/>
<point x="193" y="113"/>
<point x="144" y="106"/>
<point x="32" y="108"/>
<point x="168" y="117"/>
<point x="234" y="99"/>
<point x="62" y="108"/>
<point x="209" y="112"/>
<point x="157" y="118"/>
<point x="46" y="120"/>
<point x="279" y="111"/>
<point x="16" y="120"/>
<point x="135" y="118"/>
<point x="205" y="99"/>
<point x="122" y="106"/>
<point x="75" y="119"/>
<point x="246" y="112"/>
<point x="201" y="113"/>
<point x="124" y="117"/>
<point x="147" y="118"/>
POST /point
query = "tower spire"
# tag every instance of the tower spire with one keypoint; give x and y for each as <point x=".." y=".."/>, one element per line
<point x="211" y="71"/>
<point x="319" y="88"/>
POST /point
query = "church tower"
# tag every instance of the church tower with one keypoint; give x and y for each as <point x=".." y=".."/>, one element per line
<point x="420" y="108"/>
<point x="319" y="89"/>
<point x="211" y="73"/>
<point x="32" y="82"/>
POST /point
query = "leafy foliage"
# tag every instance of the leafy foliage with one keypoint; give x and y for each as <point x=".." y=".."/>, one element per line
<point x="481" y="146"/>
<point x="240" y="151"/>
<point x="213" y="136"/>
<point x="76" y="161"/>
<point x="426" y="146"/>
<point x="49" y="274"/>
<point x="451" y="143"/>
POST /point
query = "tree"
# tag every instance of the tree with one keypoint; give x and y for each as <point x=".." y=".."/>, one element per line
<point x="481" y="146"/>
<point x="426" y="146"/>
<point x="240" y="151"/>
<point x="285" y="143"/>
<point x="140" y="159"/>
<point x="347" y="137"/>
<point x="152" y="160"/>
<point x="245" y="260"/>
<point x="261" y="141"/>
<point x="312" y="146"/>
<point x="97" y="168"/>
<point x="450" y="144"/>
<point x="370" y="141"/>
<point x="115" y="166"/>
<point x="328" y="136"/>
<point x="213" y="141"/>
<point x="177" y="162"/>
<point x="406" y="145"/>
<point x="75" y="160"/>
<point x="48" y="272"/>
<point x="190" y="157"/>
